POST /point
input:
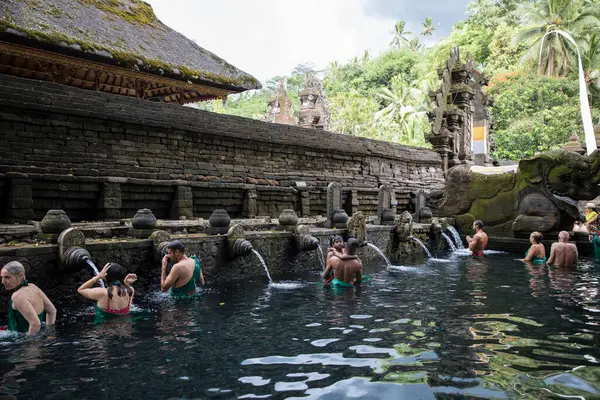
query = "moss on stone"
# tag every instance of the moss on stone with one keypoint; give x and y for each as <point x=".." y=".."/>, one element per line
<point x="138" y="11"/>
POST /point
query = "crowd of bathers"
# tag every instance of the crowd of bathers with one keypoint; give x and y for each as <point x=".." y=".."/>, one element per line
<point x="29" y="307"/>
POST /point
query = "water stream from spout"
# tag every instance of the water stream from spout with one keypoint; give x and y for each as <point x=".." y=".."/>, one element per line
<point x="380" y="253"/>
<point x="262" y="261"/>
<point x="456" y="236"/>
<point x="321" y="257"/>
<point x="423" y="246"/>
<point x="96" y="272"/>
<point x="449" y="241"/>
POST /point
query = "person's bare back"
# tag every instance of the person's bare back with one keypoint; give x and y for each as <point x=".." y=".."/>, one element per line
<point x="351" y="271"/>
<point x="563" y="254"/>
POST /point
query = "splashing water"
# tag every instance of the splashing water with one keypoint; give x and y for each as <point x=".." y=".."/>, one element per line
<point x="380" y="253"/>
<point x="456" y="236"/>
<point x="96" y="272"/>
<point x="423" y="246"/>
<point x="321" y="257"/>
<point x="262" y="261"/>
<point x="450" y="242"/>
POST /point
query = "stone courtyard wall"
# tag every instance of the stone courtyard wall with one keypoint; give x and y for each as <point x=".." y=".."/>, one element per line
<point x="101" y="156"/>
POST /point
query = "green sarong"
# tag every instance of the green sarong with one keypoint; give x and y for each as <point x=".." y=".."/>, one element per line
<point x="189" y="289"/>
<point x="16" y="320"/>
<point x="536" y="260"/>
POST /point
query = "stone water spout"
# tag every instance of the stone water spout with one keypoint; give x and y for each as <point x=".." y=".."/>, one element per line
<point x="236" y="242"/>
<point x="304" y="241"/>
<point x="161" y="241"/>
<point x="71" y="248"/>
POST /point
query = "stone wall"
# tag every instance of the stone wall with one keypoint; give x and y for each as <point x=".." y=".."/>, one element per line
<point x="100" y="156"/>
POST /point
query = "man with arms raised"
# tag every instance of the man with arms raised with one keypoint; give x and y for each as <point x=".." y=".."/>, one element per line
<point x="184" y="274"/>
<point x="347" y="268"/>
<point x="563" y="253"/>
<point x="479" y="241"/>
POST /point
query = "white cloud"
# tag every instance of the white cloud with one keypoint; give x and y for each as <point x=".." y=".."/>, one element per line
<point x="270" y="37"/>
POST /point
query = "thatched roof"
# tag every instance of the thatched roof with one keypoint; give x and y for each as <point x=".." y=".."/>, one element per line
<point x="124" y="33"/>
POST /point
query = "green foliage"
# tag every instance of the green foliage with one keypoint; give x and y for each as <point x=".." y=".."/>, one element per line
<point x="533" y="113"/>
<point x="386" y="97"/>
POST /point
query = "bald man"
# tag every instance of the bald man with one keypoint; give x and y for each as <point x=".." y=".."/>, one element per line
<point x="563" y="253"/>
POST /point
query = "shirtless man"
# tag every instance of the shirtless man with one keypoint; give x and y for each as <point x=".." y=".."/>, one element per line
<point x="184" y="274"/>
<point x="563" y="253"/>
<point x="479" y="241"/>
<point x="347" y="268"/>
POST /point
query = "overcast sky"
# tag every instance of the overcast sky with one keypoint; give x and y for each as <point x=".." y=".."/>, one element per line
<point x="270" y="37"/>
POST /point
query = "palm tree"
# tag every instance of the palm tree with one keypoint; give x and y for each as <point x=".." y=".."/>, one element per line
<point x="591" y="61"/>
<point x="401" y="102"/>
<point x="400" y="34"/>
<point x="554" y="51"/>
<point x="414" y="45"/>
<point x="428" y="27"/>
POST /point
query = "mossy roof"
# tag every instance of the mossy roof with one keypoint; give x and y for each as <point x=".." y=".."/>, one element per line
<point x="120" y="32"/>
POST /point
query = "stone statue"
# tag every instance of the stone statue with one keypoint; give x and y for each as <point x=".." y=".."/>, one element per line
<point x="322" y="104"/>
<point x="279" y="108"/>
<point x="540" y="195"/>
<point x="357" y="227"/>
<point x="404" y="227"/>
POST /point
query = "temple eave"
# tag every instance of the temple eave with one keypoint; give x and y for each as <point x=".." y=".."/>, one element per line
<point x="43" y="65"/>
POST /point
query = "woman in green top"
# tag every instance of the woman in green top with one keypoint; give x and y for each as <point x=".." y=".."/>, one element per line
<point x="116" y="298"/>
<point x="537" y="252"/>
<point x="28" y="305"/>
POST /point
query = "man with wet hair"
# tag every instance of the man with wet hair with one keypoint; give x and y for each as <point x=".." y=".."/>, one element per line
<point x="479" y="241"/>
<point x="563" y="253"/>
<point x="347" y="268"/>
<point x="184" y="273"/>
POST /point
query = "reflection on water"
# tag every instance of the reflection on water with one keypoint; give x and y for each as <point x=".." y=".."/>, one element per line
<point x="463" y="328"/>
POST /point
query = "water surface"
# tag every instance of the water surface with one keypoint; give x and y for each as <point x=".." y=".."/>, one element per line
<point x="457" y="329"/>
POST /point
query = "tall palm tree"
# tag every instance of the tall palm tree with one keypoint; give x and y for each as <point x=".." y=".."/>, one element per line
<point x="400" y="34"/>
<point x="414" y="45"/>
<point x="401" y="103"/>
<point x="428" y="27"/>
<point x="591" y="61"/>
<point x="555" y="52"/>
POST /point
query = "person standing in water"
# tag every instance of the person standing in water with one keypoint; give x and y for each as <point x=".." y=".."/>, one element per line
<point x="537" y="252"/>
<point x="347" y="268"/>
<point x="479" y="241"/>
<point x="118" y="283"/>
<point x="563" y="253"/>
<point x="28" y="305"/>
<point x="184" y="273"/>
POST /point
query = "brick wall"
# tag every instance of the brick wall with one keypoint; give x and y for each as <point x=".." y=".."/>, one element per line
<point x="68" y="142"/>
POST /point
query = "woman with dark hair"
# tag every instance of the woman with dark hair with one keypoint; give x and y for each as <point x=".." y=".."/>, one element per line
<point x="537" y="252"/>
<point x="28" y="305"/>
<point x="116" y="298"/>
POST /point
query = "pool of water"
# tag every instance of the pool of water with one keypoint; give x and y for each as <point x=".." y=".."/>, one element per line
<point x="461" y="328"/>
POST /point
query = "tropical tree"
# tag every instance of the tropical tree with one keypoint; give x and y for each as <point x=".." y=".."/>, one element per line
<point x="591" y="61"/>
<point x="428" y="27"/>
<point x="414" y="45"/>
<point x="548" y="20"/>
<point x="402" y="105"/>
<point x="400" y="34"/>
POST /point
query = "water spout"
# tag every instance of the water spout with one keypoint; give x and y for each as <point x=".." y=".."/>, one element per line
<point x="380" y="253"/>
<point x="449" y="241"/>
<point x="456" y="236"/>
<point x="262" y="261"/>
<point x="321" y="257"/>
<point x="96" y="272"/>
<point x="423" y="246"/>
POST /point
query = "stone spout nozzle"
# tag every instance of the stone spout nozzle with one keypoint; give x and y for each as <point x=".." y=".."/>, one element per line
<point x="309" y="243"/>
<point x="75" y="256"/>
<point x="241" y="248"/>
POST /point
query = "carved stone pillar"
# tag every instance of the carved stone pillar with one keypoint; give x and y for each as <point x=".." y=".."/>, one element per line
<point x="110" y="202"/>
<point x="183" y="203"/>
<point x="251" y="207"/>
<point x="20" y="197"/>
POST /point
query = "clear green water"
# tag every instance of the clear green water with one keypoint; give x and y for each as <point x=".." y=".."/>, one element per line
<point x="462" y="329"/>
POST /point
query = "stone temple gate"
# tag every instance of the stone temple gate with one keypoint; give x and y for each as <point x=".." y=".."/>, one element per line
<point x="460" y="120"/>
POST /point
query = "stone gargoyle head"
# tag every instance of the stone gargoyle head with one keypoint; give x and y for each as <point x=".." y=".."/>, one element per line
<point x="564" y="173"/>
